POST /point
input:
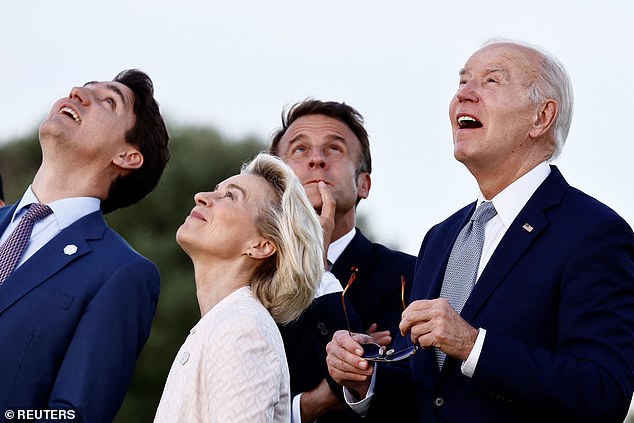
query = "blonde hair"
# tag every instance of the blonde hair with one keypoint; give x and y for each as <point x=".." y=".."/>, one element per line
<point x="286" y="282"/>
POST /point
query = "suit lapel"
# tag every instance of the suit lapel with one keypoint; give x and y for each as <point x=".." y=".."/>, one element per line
<point x="68" y="246"/>
<point x="526" y="227"/>
<point x="5" y="217"/>
<point x="356" y="254"/>
<point x="434" y="255"/>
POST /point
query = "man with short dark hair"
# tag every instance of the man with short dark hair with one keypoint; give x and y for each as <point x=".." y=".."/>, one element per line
<point x="76" y="301"/>
<point x="327" y="146"/>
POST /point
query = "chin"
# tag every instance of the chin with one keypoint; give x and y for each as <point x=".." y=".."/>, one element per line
<point x="180" y="235"/>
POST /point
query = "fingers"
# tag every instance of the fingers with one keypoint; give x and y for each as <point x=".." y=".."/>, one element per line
<point x="328" y="204"/>
<point x="327" y="216"/>
<point x="380" y="337"/>
<point x="434" y="323"/>
<point x="344" y="362"/>
<point x="373" y="327"/>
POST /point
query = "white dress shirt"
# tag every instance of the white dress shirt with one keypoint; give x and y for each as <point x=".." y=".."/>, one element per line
<point x="508" y="204"/>
<point x="65" y="212"/>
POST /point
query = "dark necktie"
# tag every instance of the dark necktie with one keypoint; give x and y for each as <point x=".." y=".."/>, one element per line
<point x="462" y="267"/>
<point x="13" y="248"/>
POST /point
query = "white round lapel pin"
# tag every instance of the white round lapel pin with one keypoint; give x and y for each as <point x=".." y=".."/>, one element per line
<point x="70" y="249"/>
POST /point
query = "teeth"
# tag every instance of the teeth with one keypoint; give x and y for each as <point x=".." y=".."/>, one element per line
<point x="462" y="119"/>
<point x="71" y="112"/>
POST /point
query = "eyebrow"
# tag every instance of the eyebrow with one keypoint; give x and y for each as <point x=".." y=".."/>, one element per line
<point x="111" y="87"/>
<point x="495" y="69"/>
<point x="329" y="137"/>
<point x="492" y="69"/>
<point x="233" y="186"/>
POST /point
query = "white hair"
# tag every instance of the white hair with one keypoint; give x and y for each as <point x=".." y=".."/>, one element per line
<point x="553" y="82"/>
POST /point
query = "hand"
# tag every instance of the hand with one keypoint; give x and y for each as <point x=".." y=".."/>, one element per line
<point x="327" y="216"/>
<point x="382" y="338"/>
<point x="345" y="364"/>
<point x="433" y="323"/>
<point x="318" y="401"/>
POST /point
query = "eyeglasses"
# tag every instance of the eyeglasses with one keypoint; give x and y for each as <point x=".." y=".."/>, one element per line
<point x="371" y="350"/>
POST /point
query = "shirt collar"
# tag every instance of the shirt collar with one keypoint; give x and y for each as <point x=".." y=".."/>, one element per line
<point x="66" y="211"/>
<point x="336" y="247"/>
<point x="511" y="200"/>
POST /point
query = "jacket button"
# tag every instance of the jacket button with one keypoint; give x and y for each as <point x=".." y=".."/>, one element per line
<point x="439" y="401"/>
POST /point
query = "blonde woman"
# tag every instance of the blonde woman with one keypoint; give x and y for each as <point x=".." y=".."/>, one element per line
<point x="257" y="250"/>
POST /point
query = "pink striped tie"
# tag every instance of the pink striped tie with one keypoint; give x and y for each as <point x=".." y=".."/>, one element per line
<point x="13" y="248"/>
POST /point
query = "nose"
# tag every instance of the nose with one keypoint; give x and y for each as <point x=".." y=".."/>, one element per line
<point x="467" y="92"/>
<point x="317" y="159"/>
<point x="203" y="199"/>
<point x="81" y="94"/>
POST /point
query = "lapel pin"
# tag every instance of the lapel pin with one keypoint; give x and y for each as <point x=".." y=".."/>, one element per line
<point x="528" y="228"/>
<point x="70" y="249"/>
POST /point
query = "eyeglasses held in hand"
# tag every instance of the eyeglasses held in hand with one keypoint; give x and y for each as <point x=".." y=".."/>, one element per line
<point x="371" y="350"/>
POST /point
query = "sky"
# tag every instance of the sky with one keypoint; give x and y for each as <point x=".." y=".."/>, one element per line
<point x="235" y="65"/>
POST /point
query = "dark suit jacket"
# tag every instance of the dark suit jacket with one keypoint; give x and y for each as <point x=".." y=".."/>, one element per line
<point x="557" y="302"/>
<point x="375" y="296"/>
<point x="72" y="325"/>
<point x="376" y="292"/>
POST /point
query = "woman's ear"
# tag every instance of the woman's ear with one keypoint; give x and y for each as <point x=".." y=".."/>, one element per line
<point x="261" y="249"/>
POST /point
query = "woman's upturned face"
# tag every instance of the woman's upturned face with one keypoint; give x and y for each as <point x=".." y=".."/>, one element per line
<point x="222" y="224"/>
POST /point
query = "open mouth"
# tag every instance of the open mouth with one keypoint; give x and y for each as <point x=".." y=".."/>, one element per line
<point x="70" y="113"/>
<point x="467" y="122"/>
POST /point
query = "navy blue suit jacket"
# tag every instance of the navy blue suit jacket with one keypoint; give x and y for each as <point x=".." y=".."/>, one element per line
<point x="557" y="302"/>
<point x="72" y="325"/>
<point x="375" y="297"/>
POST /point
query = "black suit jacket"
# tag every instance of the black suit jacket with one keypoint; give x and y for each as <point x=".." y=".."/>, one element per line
<point x="375" y="297"/>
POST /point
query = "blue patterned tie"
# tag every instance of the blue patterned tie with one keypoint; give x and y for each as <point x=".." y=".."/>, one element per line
<point x="13" y="248"/>
<point x="462" y="267"/>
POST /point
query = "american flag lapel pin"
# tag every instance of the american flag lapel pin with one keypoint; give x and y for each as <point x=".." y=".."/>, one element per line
<point x="528" y="228"/>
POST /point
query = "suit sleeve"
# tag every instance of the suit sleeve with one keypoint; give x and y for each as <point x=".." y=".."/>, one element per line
<point x="99" y="363"/>
<point x="588" y="376"/>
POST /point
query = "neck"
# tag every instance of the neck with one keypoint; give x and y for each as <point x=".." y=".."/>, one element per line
<point x="215" y="281"/>
<point x="54" y="183"/>
<point x="494" y="179"/>
<point x="343" y="224"/>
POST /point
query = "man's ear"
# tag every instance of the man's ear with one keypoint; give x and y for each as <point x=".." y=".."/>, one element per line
<point x="261" y="249"/>
<point x="364" y="181"/>
<point x="544" y="118"/>
<point x="129" y="159"/>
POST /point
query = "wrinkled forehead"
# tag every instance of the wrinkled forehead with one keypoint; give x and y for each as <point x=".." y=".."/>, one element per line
<point x="513" y="58"/>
